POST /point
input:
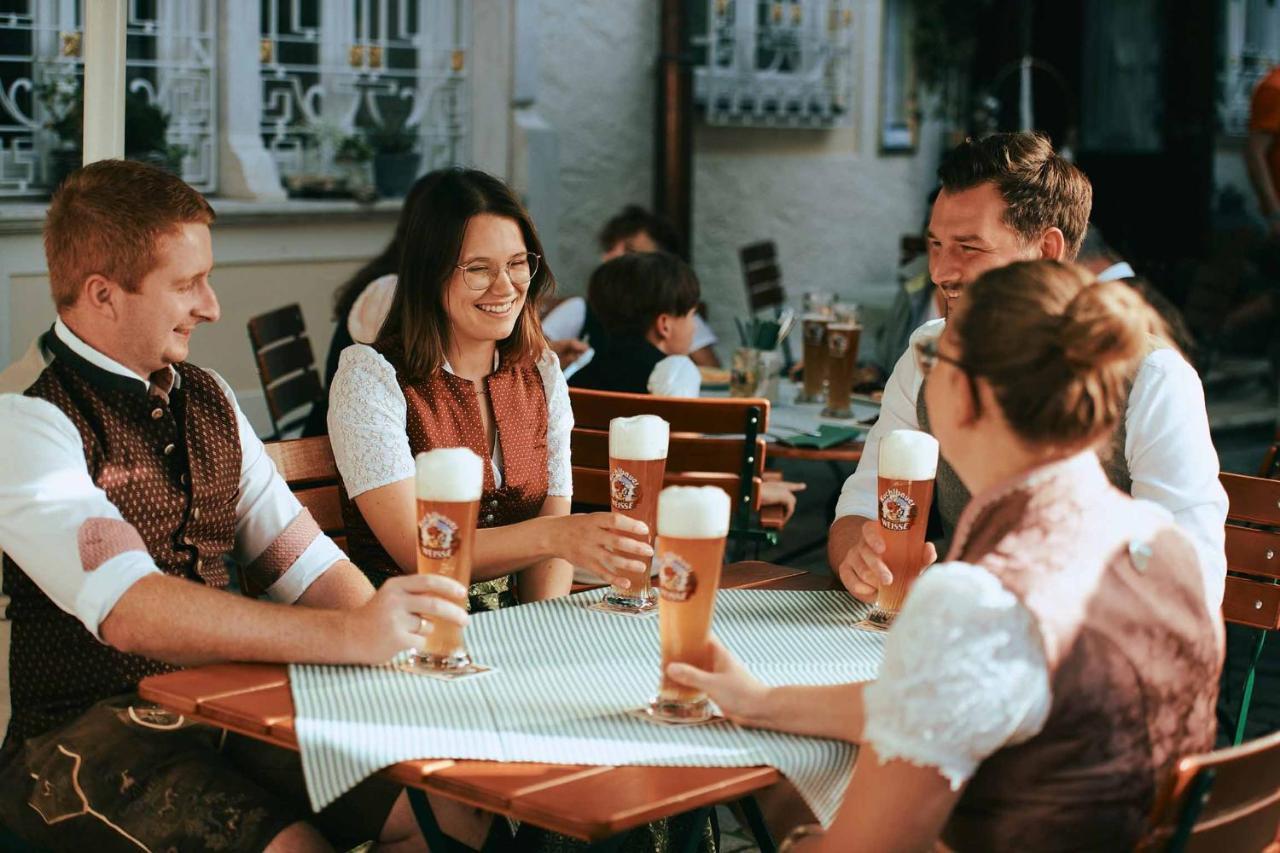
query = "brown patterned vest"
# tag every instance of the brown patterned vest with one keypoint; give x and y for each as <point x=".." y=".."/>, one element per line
<point x="172" y="468"/>
<point x="1133" y="655"/>
<point x="444" y="411"/>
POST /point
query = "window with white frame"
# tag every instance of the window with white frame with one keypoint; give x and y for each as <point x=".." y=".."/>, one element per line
<point x="343" y="81"/>
<point x="1251" y="49"/>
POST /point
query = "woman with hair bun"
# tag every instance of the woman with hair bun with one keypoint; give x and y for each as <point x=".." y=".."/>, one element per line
<point x="1037" y="685"/>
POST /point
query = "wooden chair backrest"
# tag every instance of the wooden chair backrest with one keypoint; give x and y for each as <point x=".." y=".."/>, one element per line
<point x="1228" y="799"/>
<point x="703" y="415"/>
<point x="286" y="365"/>
<point x="762" y="276"/>
<point x="307" y="465"/>
<point x="1252" y="596"/>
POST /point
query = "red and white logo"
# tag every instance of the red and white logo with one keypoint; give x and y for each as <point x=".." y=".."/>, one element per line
<point x="437" y="536"/>
<point x="897" y="510"/>
<point x="676" y="580"/>
<point x="624" y="489"/>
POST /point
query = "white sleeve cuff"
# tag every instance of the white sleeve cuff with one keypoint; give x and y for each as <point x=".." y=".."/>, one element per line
<point x="104" y="586"/>
<point x="318" y="557"/>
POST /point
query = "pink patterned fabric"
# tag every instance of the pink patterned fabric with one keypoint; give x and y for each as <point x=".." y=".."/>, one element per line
<point x="100" y="539"/>
<point x="282" y="553"/>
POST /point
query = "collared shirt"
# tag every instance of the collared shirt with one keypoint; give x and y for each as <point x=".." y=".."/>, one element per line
<point x="46" y="494"/>
<point x="1167" y="447"/>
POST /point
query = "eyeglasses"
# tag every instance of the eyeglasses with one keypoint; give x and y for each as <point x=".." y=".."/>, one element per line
<point x="480" y="275"/>
<point x="927" y="355"/>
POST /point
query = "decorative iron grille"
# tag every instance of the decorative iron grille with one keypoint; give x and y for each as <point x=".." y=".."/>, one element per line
<point x="170" y="49"/>
<point x="350" y="79"/>
<point x="774" y="63"/>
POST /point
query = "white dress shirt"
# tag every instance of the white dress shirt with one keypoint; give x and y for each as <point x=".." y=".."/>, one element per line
<point x="46" y="494"/>
<point x="1167" y="448"/>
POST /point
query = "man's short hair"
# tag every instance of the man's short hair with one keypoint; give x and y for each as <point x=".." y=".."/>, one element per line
<point x="628" y="293"/>
<point x="1042" y="190"/>
<point x="105" y="218"/>
<point x="634" y="219"/>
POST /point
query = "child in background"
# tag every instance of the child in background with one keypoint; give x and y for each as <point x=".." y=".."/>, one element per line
<point x="647" y="304"/>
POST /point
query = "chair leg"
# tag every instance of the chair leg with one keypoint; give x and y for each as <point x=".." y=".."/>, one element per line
<point x="756" y="824"/>
<point x="1248" y="687"/>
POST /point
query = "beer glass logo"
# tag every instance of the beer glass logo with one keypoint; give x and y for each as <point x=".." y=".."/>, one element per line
<point x="814" y="333"/>
<point x="437" y="536"/>
<point x="676" y="580"/>
<point x="897" y="510"/>
<point x="624" y="488"/>
<point x="839" y="343"/>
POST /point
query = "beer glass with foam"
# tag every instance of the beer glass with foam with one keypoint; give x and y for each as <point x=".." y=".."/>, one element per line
<point x="842" y="358"/>
<point x="907" y="465"/>
<point x="814" y="328"/>
<point x="449" y="484"/>
<point x="637" y="464"/>
<point x="693" y="522"/>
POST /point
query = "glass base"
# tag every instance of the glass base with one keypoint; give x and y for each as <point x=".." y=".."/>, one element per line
<point x="843" y="414"/>
<point x="459" y="663"/>
<point x="624" y="601"/>
<point x="878" y="620"/>
<point x="675" y="711"/>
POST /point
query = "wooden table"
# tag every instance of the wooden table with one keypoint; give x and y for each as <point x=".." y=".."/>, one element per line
<point x="588" y="802"/>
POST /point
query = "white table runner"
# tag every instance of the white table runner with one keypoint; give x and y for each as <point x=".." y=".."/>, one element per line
<point x="567" y="677"/>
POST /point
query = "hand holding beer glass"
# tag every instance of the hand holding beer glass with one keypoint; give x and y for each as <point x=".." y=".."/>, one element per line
<point x="693" y="522"/>
<point x="449" y="484"/>
<point x="637" y="464"/>
<point x="908" y="463"/>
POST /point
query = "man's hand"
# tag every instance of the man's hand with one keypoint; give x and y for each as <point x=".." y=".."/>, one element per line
<point x="863" y="570"/>
<point x="400" y="615"/>
<point x="568" y="350"/>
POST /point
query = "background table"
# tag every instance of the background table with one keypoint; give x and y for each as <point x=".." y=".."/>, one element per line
<point x="590" y="803"/>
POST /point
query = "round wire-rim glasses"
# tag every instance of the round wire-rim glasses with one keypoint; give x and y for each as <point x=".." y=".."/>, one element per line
<point x="481" y="274"/>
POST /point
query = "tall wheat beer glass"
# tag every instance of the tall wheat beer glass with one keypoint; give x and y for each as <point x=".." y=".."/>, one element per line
<point x="637" y="464"/>
<point x="842" y="358"/>
<point x="907" y="466"/>
<point x="814" y="327"/>
<point x="450" y="481"/>
<point x="693" y="522"/>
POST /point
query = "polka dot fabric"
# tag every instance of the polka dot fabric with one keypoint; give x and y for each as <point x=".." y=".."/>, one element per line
<point x="171" y="465"/>
<point x="444" y="411"/>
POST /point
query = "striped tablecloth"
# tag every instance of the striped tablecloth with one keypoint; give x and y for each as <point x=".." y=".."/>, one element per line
<point x="567" y="676"/>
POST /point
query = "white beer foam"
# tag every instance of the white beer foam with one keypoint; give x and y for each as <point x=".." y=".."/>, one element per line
<point x="452" y="474"/>
<point x="693" y="512"/>
<point x="641" y="437"/>
<point x="908" y="454"/>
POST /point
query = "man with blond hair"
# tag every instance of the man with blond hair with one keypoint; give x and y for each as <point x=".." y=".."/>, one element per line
<point x="129" y="478"/>
<point x="1009" y="197"/>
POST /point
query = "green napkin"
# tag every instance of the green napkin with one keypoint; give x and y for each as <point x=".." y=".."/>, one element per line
<point x="828" y="435"/>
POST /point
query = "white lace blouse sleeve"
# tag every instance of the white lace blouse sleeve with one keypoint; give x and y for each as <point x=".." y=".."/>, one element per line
<point x="559" y="426"/>
<point x="368" y="425"/>
<point x="963" y="675"/>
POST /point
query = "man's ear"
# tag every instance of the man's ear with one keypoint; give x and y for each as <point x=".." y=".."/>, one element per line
<point x="1053" y="244"/>
<point x="101" y="296"/>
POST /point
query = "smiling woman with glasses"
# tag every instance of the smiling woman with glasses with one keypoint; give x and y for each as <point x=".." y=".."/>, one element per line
<point x="461" y="361"/>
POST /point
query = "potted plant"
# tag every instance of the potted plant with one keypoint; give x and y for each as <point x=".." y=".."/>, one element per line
<point x="395" y="162"/>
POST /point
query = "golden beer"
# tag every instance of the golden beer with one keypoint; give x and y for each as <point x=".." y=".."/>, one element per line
<point x="637" y="464"/>
<point x="907" y="464"/>
<point x="814" y="328"/>
<point x="449" y="485"/>
<point x="842" y="358"/>
<point x="692" y="525"/>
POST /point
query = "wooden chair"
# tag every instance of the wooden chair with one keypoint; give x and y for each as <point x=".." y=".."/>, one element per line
<point x="1271" y="461"/>
<point x="762" y="276"/>
<point x="1252" y="595"/>
<point x="1226" y="800"/>
<point x="714" y="442"/>
<point x="286" y="366"/>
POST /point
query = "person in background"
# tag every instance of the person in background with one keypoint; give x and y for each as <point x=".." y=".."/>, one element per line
<point x="1037" y="686"/>
<point x="647" y="304"/>
<point x="1006" y="198"/>
<point x="461" y="362"/>
<point x="129" y="481"/>
<point x="633" y="231"/>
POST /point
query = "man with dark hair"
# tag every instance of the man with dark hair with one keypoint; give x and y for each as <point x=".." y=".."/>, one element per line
<point x="637" y="230"/>
<point x="128" y="479"/>
<point x="1007" y="198"/>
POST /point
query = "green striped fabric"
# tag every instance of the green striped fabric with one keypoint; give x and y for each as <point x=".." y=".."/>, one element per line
<point x="566" y="678"/>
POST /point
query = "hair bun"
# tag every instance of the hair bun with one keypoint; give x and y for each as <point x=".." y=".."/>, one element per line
<point x="1104" y="323"/>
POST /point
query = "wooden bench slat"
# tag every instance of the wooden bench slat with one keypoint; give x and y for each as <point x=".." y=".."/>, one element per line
<point x="1251" y="603"/>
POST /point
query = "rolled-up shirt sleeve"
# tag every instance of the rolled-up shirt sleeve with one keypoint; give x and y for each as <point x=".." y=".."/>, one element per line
<point x="278" y="543"/>
<point x="55" y="522"/>
<point x="897" y="411"/>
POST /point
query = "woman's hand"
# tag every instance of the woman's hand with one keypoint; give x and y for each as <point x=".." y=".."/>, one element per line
<point x="599" y="542"/>
<point x="741" y="697"/>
